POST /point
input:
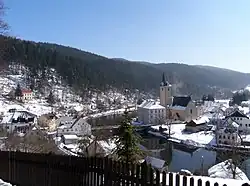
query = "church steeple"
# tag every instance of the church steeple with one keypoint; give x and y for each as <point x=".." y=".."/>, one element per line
<point x="163" y="78"/>
<point x="163" y="81"/>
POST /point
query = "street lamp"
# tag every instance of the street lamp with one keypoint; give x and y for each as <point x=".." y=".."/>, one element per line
<point x="202" y="165"/>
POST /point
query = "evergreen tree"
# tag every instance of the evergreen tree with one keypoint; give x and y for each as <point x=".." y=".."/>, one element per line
<point x="127" y="142"/>
<point x="18" y="91"/>
<point x="51" y="98"/>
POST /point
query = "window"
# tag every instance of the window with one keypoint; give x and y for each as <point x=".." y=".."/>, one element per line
<point x="161" y="89"/>
<point x="191" y="111"/>
<point x="240" y="118"/>
<point x="219" y="136"/>
<point x="219" y="141"/>
<point x="224" y="137"/>
<point x="233" y="137"/>
<point x="168" y="89"/>
<point x="241" y="125"/>
<point x="246" y="125"/>
<point x="228" y="137"/>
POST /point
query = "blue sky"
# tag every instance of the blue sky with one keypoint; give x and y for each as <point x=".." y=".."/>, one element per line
<point x="208" y="32"/>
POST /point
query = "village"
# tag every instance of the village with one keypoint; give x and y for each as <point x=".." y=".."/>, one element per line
<point x="209" y="124"/>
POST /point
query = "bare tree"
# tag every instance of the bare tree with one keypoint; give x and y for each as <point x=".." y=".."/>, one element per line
<point x="234" y="160"/>
<point x="32" y="142"/>
<point x="4" y="27"/>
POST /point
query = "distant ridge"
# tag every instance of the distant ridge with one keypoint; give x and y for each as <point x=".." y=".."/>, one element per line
<point x="81" y="70"/>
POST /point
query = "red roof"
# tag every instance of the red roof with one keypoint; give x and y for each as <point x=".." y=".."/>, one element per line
<point x="26" y="91"/>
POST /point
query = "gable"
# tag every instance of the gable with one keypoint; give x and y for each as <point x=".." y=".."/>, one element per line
<point x="237" y="114"/>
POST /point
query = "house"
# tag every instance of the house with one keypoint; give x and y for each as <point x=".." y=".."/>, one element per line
<point x="70" y="125"/>
<point x="150" y="112"/>
<point x="228" y="135"/>
<point x="26" y="95"/>
<point x="196" y="125"/>
<point x="178" y="107"/>
<point x="18" y="121"/>
<point x="70" y="139"/>
<point x="156" y="163"/>
<point x="101" y="148"/>
<point x="242" y="119"/>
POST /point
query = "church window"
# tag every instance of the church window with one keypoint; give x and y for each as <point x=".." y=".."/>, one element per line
<point x="161" y="89"/>
<point x="168" y="89"/>
<point x="191" y="111"/>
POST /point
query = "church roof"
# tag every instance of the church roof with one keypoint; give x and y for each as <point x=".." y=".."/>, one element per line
<point x="181" y="101"/>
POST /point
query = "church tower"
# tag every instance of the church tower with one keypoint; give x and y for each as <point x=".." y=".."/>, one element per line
<point x="166" y="93"/>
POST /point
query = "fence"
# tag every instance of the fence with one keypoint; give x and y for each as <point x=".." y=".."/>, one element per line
<point x="26" y="169"/>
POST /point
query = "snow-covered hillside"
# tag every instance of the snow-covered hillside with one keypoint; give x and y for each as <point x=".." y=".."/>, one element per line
<point x="67" y="101"/>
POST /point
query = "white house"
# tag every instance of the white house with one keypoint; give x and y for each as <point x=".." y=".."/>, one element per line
<point x="242" y="119"/>
<point x="150" y="112"/>
<point x="78" y="126"/>
<point x="18" y="121"/>
<point x="228" y="135"/>
<point x="26" y="95"/>
<point x="70" y="139"/>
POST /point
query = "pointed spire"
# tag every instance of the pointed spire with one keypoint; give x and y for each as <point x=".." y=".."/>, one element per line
<point x="163" y="78"/>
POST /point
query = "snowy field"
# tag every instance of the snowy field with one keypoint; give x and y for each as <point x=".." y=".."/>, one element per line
<point x="199" y="138"/>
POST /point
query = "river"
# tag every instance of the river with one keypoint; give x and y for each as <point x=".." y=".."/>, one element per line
<point x="178" y="157"/>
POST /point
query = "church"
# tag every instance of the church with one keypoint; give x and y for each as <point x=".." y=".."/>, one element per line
<point x="181" y="108"/>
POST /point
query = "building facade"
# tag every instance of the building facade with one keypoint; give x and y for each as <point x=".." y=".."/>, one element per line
<point x="242" y="119"/>
<point x="228" y="135"/>
<point x="177" y="107"/>
<point x="151" y="112"/>
<point x="26" y="96"/>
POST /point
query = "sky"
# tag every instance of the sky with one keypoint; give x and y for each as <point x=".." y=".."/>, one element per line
<point x="204" y="32"/>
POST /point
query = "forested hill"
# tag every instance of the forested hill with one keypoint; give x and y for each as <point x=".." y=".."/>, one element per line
<point x="87" y="70"/>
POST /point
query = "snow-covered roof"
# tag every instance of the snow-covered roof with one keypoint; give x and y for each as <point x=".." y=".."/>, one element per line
<point x="224" y="170"/>
<point x="155" y="162"/>
<point x="200" y="120"/>
<point x="70" y="136"/>
<point x="151" y="104"/>
<point x="107" y="145"/>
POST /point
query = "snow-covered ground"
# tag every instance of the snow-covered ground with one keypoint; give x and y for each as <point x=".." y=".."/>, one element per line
<point x="225" y="170"/>
<point x="2" y="183"/>
<point x="199" y="138"/>
<point x="67" y="100"/>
